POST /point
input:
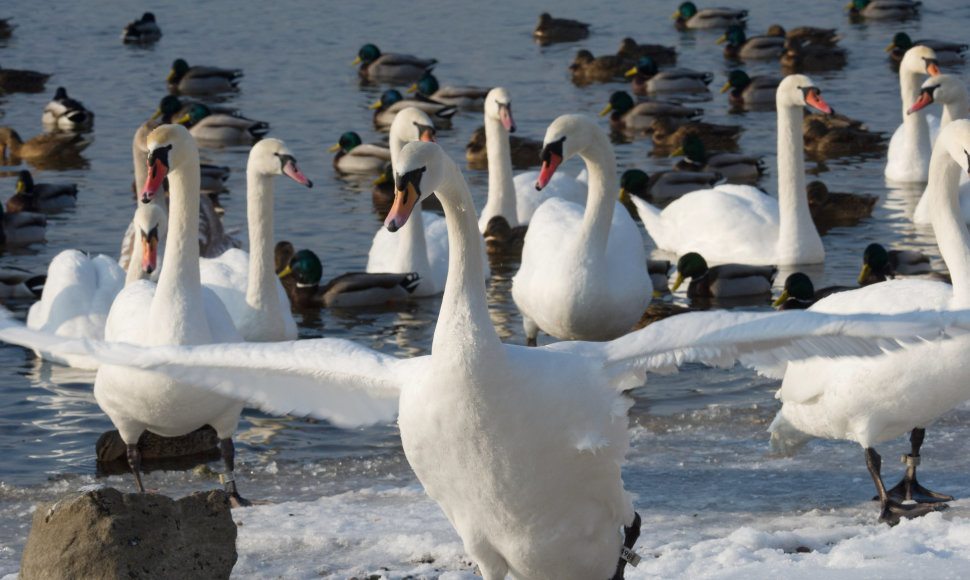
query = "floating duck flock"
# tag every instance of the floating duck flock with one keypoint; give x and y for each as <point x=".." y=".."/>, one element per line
<point x="517" y="428"/>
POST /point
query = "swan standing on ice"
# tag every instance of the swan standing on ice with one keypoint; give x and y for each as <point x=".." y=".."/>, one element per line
<point x="873" y="400"/>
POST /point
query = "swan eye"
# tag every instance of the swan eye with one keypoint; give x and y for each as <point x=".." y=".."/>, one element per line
<point x="412" y="178"/>
<point x="425" y="132"/>
<point x="159" y="154"/>
<point x="554" y="148"/>
<point x="285" y="159"/>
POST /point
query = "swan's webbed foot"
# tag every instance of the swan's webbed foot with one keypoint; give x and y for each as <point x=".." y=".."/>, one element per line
<point x="893" y="510"/>
<point x="909" y="488"/>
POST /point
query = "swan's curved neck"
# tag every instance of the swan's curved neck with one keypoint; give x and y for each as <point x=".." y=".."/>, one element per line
<point x="464" y="307"/>
<point x="798" y="240"/>
<point x="501" y="189"/>
<point x="603" y="189"/>
<point x="916" y="129"/>
<point x="261" y="293"/>
<point x="177" y="314"/>
<point x="412" y="246"/>
<point x="955" y="109"/>
<point x="948" y="225"/>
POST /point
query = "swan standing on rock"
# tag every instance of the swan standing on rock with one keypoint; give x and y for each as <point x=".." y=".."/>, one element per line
<point x="873" y="400"/>
<point x="740" y="223"/>
<point x="248" y="285"/>
<point x="422" y="244"/>
<point x="910" y="147"/>
<point x="521" y="447"/>
<point x="584" y="271"/>
<point x="175" y="311"/>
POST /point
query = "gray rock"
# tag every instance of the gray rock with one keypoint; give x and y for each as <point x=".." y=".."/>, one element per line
<point x="104" y="534"/>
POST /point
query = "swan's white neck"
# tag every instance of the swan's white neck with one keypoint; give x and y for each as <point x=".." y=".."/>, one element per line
<point x="177" y="313"/>
<point x="798" y="240"/>
<point x="261" y="293"/>
<point x="948" y="225"/>
<point x="501" y="189"/>
<point x="603" y="189"/>
<point x="955" y="109"/>
<point x="916" y="130"/>
<point x="464" y="307"/>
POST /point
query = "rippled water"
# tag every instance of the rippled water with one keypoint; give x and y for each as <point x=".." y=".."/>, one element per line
<point x="295" y="56"/>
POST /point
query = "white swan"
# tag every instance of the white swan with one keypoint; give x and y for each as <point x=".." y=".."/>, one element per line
<point x="247" y="284"/>
<point x="422" y="245"/>
<point x="521" y="447"/>
<point x="175" y="311"/>
<point x="515" y="198"/>
<point x="80" y="288"/>
<point x="740" y="223"/>
<point x="908" y="158"/>
<point x="949" y="91"/>
<point x="584" y="270"/>
<point x="870" y="401"/>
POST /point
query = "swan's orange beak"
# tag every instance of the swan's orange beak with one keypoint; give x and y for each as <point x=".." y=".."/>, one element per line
<point x="814" y="99"/>
<point x="404" y="202"/>
<point x="149" y="256"/>
<point x="932" y="68"/>
<point x="157" y="170"/>
<point x="505" y="114"/>
<point x="549" y="166"/>
<point x="427" y="135"/>
<point x="293" y="172"/>
<point x="925" y="99"/>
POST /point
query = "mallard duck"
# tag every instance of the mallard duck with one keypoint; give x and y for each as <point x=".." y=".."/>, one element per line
<point x="734" y="167"/>
<point x="740" y="47"/>
<point x="171" y="108"/>
<point x="751" y="92"/>
<point x="836" y="135"/>
<point x="212" y="129"/>
<point x="667" y="135"/>
<point x="723" y="281"/>
<point x="662" y="184"/>
<point x="354" y="156"/>
<point x="807" y="34"/>
<point x="883" y="9"/>
<point x="21" y="228"/>
<point x="390" y="68"/>
<point x="392" y="102"/>
<point x="946" y="52"/>
<point x="462" y="97"/>
<point x="688" y="17"/>
<point x="632" y="51"/>
<point x="202" y="80"/>
<point x="32" y="196"/>
<point x="587" y="69"/>
<point x="524" y="151"/>
<point x="353" y="289"/>
<point x="63" y="112"/>
<point x="23" y="81"/>
<point x="648" y="80"/>
<point x="501" y="239"/>
<point x="801" y="56"/>
<point x="627" y="116"/>
<point x="6" y="27"/>
<point x="550" y="30"/>
<point x="20" y="283"/>
<point x="142" y="31"/>
<point x="42" y="149"/>
<point x="830" y="209"/>
<point x="799" y="293"/>
<point x="879" y="265"/>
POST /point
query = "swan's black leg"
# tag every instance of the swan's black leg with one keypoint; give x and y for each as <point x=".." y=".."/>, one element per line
<point x="627" y="555"/>
<point x="134" y="462"/>
<point x="228" y="479"/>
<point x="892" y="509"/>
<point x="909" y="488"/>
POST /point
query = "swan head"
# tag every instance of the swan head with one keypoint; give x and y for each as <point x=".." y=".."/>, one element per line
<point x="498" y="106"/>
<point x="566" y="136"/>
<point x="410" y="124"/>
<point x="151" y="226"/>
<point x="955" y="138"/>
<point x="272" y="157"/>
<point x="939" y="89"/>
<point x="419" y="169"/>
<point x="169" y="146"/>
<point x="920" y="60"/>
<point x="799" y="91"/>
